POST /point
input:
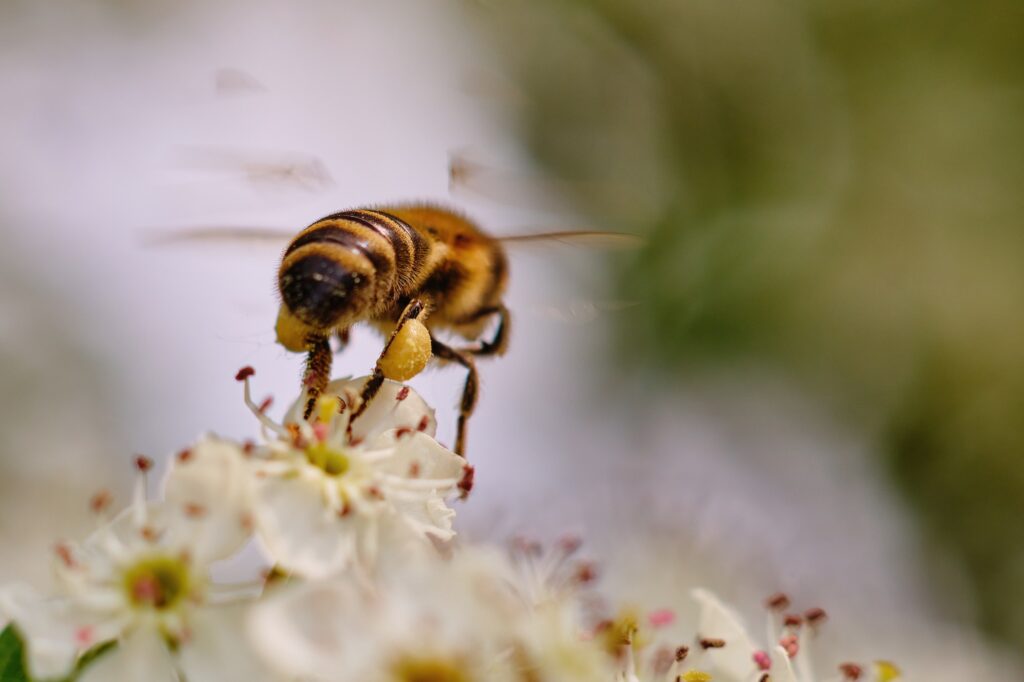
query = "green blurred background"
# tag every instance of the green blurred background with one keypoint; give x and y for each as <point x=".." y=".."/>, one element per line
<point x="830" y="189"/>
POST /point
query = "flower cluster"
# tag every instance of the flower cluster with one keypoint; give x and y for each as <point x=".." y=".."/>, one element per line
<point x="362" y="579"/>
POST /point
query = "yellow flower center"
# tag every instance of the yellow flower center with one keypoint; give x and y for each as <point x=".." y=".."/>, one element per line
<point x="429" y="670"/>
<point x="159" y="582"/>
<point x="332" y="462"/>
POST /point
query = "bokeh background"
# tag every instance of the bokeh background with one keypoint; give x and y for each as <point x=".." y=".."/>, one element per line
<point x="810" y="377"/>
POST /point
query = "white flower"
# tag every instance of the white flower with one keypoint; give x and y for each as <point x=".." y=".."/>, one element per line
<point x="461" y="620"/>
<point x="724" y="651"/>
<point x="330" y="492"/>
<point x="142" y="582"/>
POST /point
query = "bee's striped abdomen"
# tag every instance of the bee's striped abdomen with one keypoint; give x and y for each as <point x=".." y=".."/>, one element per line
<point x="409" y="249"/>
<point x="349" y="264"/>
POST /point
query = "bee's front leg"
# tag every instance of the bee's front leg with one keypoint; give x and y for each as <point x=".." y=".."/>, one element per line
<point x="318" y="371"/>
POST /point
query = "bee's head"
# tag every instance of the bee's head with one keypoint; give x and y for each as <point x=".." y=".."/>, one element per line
<point x="320" y="291"/>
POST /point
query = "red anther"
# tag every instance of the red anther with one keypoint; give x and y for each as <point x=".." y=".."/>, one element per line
<point x="403" y="393"/>
<point x="247" y="522"/>
<point x="342" y="405"/>
<point x="100" y="501"/>
<point x="791" y="644"/>
<point x="424" y="423"/>
<point x="586" y="572"/>
<point x="184" y="455"/>
<point x="295" y="433"/>
<point x="143" y="463"/>
<point x="765" y="678"/>
<point x="414" y="470"/>
<point x="851" y="671"/>
<point x="375" y="492"/>
<point x="792" y="620"/>
<point x="244" y="373"/>
<point x="711" y="642"/>
<point x="265" y="405"/>
<point x="777" y="602"/>
<point x="345" y="510"/>
<point x="570" y="544"/>
<point x="763" y="660"/>
<point x="194" y="511"/>
<point x="355" y="441"/>
<point x="815" y="616"/>
<point x="467" y="480"/>
<point x="681" y="653"/>
<point x="402" y="432"/>
<point x="64" y="553"/>
<point x="661" y="618"/>
<point x="248" y="447"/>
<point x="84" y="636"/>
<point x="149" y="534"/>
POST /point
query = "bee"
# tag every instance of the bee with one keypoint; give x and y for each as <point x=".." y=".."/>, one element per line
<point x="410" y="271"/>
<point x="400" y="268"/>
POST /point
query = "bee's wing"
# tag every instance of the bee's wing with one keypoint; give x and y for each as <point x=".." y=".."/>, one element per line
<point x="585" y="238"/>
<point x="269" y="236"/>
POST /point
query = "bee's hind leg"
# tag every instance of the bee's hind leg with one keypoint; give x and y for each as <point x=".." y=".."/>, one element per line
<point x="415" y="310"/>
<point x="499" y="342"/>
<point x="469" y="390"/>
<point x="318" y="372"/>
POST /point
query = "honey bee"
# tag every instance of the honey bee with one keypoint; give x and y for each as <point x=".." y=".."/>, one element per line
<point x="400" y="268"/>
<point x="410" y="270"/>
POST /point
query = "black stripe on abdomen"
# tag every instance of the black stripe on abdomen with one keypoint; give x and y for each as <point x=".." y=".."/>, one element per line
<point x="333" y="234"/>
<point x="403" y="252"/>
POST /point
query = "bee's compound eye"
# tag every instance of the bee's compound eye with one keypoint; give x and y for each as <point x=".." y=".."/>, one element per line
<point x="408" y="353"/>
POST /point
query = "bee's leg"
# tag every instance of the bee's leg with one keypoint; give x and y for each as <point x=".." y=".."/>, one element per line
<point x="498" y="344"/>
<point x="342" y="336"/>
<point x="414" y="310"/>
<point x="469" y="391"/>
<point x="318" y="372"/>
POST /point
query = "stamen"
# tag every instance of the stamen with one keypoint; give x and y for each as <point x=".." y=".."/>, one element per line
<point x="414" y="470"/>
<point x="815" y="616"/>
<point x="184" y="455"/>
<point x="403" y="393"/>
<point x="101" y="501"/>
<point x="194" y="511"/>
<point x="424" y="423"/>
<point x="851" y="671"/>
<point x="792" y="620"/>
<point x="777" y="602"/>
<point x="791" y="644"/>
<point x="143" y="463"/>
<point x="763" y="660"/>
<point x="586" y="572"/>
<point x="681" y="653"/>
<point x="765" y="678"/>
<point x="711" y="642"/>
<point x="887" y="671"/>
<point x="64" y="553"/>
<point x="265" y="405"/>
<point x="661" y="618"/>
<point x="84" y="636"/>
<point x="466" y="483"/>
<point x="243" y="376"/>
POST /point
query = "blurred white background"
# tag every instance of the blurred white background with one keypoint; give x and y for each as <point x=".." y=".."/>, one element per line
<point x="115" y="123"/>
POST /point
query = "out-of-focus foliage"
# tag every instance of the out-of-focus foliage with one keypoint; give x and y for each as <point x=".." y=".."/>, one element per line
<point x="834" y="188"/>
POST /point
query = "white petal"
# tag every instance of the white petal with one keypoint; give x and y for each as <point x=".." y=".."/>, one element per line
<point x="141" y="656"/>
<point x="299" y="531"/>
<point x="719" y="621"/>
<point x="429" y="458"/>
<point x="219" y="649"/>
<point x="210" y="493"/>
<point x="54" y="629"/>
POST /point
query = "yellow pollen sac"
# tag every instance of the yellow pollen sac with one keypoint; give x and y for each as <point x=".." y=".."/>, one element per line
<point x="157" y="582"/>
<point x="331" y="461"/>
<point x="408" y="353"/>
<point x="292" y="333"/>
<point x="887" y="672"/>
<point x="695" y="676"/>
<point x="326" y="407"/>
<point x="429" y="670"/>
